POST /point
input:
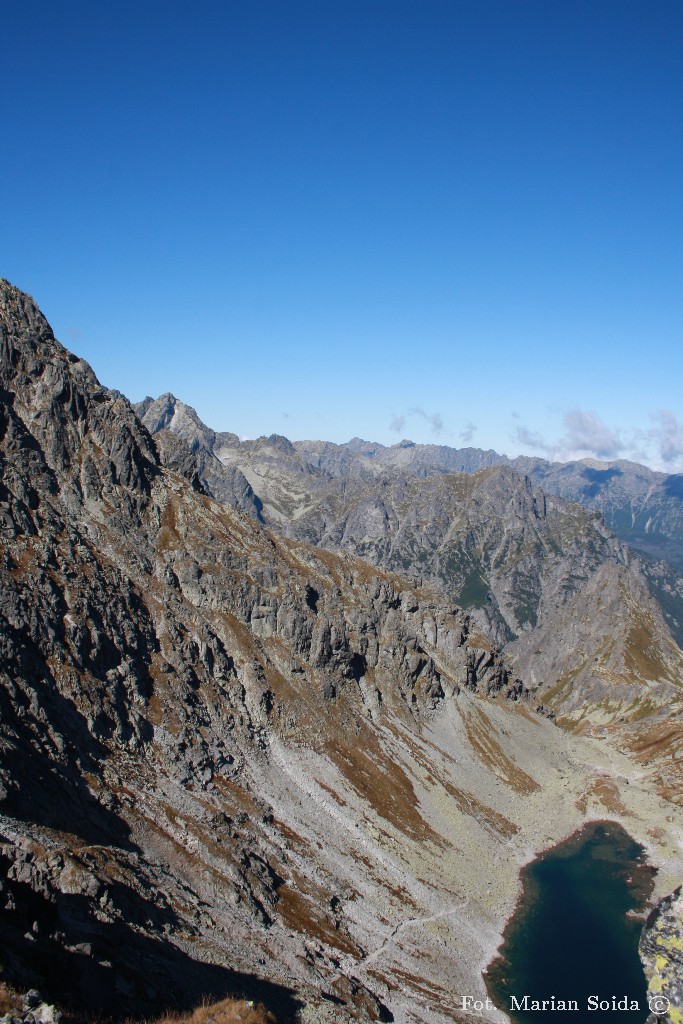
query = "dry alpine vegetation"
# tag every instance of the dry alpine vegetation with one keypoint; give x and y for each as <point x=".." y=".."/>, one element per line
<point x="227" y="1011"/>
<point x="28" y="1007"/>
<point x="237" y="764"/>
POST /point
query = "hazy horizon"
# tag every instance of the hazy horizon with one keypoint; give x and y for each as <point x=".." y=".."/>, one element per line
<point x="455" y="222"/>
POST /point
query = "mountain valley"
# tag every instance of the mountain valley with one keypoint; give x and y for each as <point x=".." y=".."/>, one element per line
<point x="285" y="720"/>
<point x="529" y="567"/>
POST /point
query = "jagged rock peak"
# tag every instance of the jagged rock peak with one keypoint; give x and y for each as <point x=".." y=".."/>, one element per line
<point x="170" y="413"/>
<point x="89" y="436"/>
<point x="20" y="303"/>
<point x="361" y="447"/>
<point x="276" y="441"/>
<point x="164" y="406"/>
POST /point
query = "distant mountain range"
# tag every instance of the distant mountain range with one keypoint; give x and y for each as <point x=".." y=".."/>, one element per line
<point x="350" y="497"/>
<point x="641" y="506"/>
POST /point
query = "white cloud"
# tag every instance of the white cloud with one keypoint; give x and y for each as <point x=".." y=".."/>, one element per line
<point x="586" y="432"/>
<point x="668" y="437"/>
<point x="530" y="439"/>
<point x="434" y="419"/>
<point x="585" y="435"/>
<point x="468" y="433"/>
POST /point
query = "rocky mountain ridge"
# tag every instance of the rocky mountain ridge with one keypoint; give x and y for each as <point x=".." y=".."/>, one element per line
<point x="303" y="487"/>
<point x="232" y="762"/>
<point x="641" y="506"/>
<point x="491" y="541"/>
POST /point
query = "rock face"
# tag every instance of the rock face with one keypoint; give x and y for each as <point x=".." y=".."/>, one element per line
<point x="189" y="447"/>
<point x="661" y="950"/>
<point x="306" y="484"/>
<point x="231" y="762"/>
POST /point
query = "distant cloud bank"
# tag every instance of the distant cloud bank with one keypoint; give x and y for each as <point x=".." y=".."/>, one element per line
<point x="468" y="433"/>
<point x="434" y="419"/>
<point x="668" y="437"/>
<point x="586" y="435"/>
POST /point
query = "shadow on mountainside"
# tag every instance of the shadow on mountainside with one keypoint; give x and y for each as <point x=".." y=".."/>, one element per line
<point x="51" y="792"/>
<point x="88" y="954"/>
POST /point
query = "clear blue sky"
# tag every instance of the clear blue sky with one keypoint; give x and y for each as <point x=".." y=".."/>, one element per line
<point x="452" y="220"/>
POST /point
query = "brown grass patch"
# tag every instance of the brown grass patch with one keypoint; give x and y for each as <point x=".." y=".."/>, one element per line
<point x="401" y="894"/>
<point x="654" y="745"/>
<point x="168" y="538"/>
<point x="335" y="796"/>
<point x="292" y="839"/>
<point x="238" y="798"/>
<point x="606" y="793"/>
<point x="478" y="640"/>
<point x="465" y="802"/>
<point x="340" y="567"/>
<point x="24" y="562"/>
<point x="642" y="650"/>
<point x="227" y="1011"/>
<point x="236" y="630"/>
<point x="564" y="682"/>
<point x="485" y="815"/>
<point x="305" y="913"/>
<point x="531" y="716"/>
<point x="383" y="784"/>
<point x="10" y="1000"/>
<point x="429" y="989"/>
<point x="480" y="734"/>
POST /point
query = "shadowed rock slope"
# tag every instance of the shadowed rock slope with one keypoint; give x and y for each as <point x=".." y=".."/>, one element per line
<point x="233" y="763"/>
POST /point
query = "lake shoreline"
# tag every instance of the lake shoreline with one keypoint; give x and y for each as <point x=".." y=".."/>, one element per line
<point x="632" y="878"/>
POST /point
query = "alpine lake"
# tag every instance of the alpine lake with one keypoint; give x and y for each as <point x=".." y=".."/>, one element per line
<point x="570" y="951"/>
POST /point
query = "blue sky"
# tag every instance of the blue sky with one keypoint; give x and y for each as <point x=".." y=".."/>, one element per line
<point x="459" y="222"/>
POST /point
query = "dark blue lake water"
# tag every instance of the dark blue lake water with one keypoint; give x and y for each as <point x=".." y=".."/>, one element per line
<point x="573" y="937"/>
